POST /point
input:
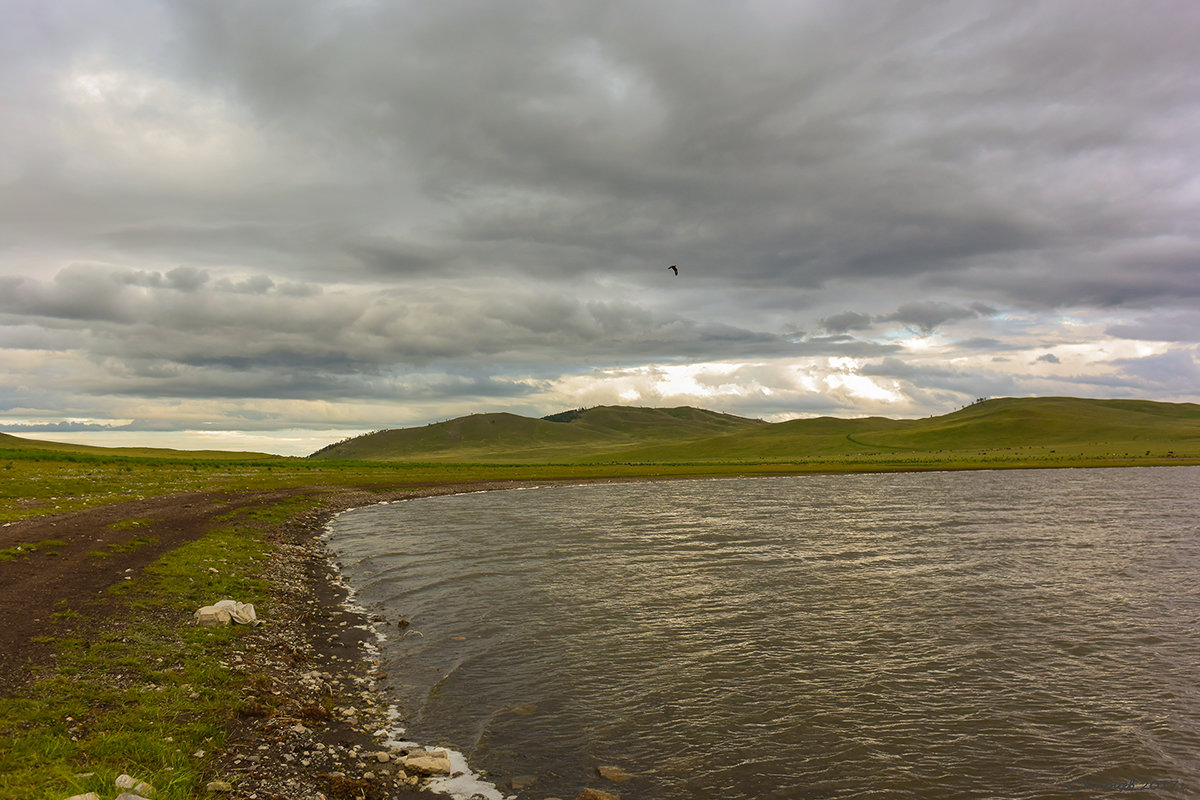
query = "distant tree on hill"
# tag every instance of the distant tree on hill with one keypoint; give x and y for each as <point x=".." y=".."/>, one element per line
<point x="565" y="416"/>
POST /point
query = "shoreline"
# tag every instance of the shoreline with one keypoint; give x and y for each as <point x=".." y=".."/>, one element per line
<point x="366" y="726"/>
<point x="311" y="720"/>
<point x="329" y="647"/>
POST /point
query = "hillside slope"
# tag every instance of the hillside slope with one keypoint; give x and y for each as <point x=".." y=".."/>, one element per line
<point x="566" y="436"/>
<point x="8" y="442"/>
<point x="613" y="433"/>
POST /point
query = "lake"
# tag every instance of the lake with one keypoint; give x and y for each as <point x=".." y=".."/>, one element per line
<point x="993" y="634"/>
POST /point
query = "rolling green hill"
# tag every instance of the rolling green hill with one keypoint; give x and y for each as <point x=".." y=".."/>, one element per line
<point x="567" y="436"/>
<point x="1014" y="429"/>
<point x="17" y="444"/>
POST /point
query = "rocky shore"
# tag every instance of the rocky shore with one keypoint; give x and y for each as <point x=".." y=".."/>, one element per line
<point x="313" y="724"/>
<point x="313" y="721"/>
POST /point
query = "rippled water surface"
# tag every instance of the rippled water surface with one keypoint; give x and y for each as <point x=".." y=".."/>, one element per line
<point x="964" y="634"/>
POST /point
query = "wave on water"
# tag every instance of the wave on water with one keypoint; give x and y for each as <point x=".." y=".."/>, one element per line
<point x="462" y="783"/>
<point x="968" y="635"/>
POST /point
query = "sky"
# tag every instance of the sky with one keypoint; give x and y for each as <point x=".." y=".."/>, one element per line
<point x="270" y="225"/>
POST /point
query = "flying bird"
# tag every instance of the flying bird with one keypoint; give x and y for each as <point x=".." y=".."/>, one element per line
<point x="674" y="269"/>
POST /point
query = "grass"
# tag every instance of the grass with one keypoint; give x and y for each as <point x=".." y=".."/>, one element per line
<point x="23" y="550"/>
<point x="127" y="524"/>
<point x="144" y="695"/>
<point x="124" y="547"/>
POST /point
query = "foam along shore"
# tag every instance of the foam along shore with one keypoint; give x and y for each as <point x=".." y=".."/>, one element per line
<point x="441" y="770"/>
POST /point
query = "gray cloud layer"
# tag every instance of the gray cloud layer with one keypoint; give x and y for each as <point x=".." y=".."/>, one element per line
<point x="302" y="199"/>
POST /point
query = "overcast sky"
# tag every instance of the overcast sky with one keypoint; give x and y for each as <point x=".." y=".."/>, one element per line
<point x="267" y="225"/>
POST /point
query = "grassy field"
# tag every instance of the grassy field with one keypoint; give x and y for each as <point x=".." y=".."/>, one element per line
<point x="38" y="477"/>
<point x="145" y="694"/>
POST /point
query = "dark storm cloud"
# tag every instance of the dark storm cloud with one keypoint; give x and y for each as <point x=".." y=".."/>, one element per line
<point x="846" y="321"/>
<point x="305" y="198"/>
<point x="179" y="332"/>
<point x="802" y="143"/>
<point x="927" y="315"/>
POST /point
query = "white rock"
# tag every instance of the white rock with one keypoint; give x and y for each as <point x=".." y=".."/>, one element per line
<point x="427" y="765"/>
<point x="212" y="617"/>
<point x="224" y="612"/>
<point x="382" y="757"/>
<point x="88" y="796"/>
<point x="133" y="784"/>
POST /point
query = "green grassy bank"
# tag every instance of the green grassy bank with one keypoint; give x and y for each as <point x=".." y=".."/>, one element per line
<point x="148" y="694"/>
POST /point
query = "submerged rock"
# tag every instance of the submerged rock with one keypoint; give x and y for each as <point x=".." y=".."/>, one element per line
<point x="426" y="764"/>
<point x="614" y="774"/>
<point x="596" y="794"/>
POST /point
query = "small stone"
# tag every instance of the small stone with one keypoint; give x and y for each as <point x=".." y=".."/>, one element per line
<point x="382" y="757"/>
<point x="137" y="787"/>
<point x="198" y="754"/>
<point x="614" y="774"/>
<point x="596" y="794"/>
<point x="88" y="796"/>
<point x="427" y="765"/>
<point x="219" y="786"/>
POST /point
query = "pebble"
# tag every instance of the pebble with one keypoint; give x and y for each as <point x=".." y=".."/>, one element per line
<point x="614" y="774"/>
<point x="138" y="787"/>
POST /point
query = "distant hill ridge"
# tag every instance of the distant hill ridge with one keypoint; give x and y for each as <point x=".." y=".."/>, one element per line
<point x="638" y="434"/>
